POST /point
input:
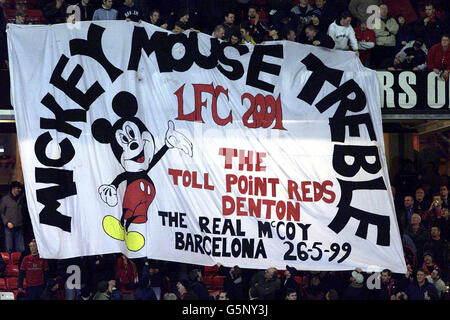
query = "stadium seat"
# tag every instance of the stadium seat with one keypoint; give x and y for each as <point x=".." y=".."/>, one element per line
<point x="5" y="257"/>
<point x="15" y="258"/>
<point x="11" y="283"/>
<point x="218" y="282"/>
<point x="299" y="280"/>
<point x="210" y="271"/>
<point x="209" y="281"/>
<point x="25" y="4"/>
<point x="35" y="17"/>
<point x="11" y="271"/>
<point x="2" y="284"/>
<point x="10" y="15"/>
<point x="24" y="283"/>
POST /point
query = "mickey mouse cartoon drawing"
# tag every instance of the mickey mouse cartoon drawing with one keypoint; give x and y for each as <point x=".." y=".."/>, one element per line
<point x="133" y="146"/>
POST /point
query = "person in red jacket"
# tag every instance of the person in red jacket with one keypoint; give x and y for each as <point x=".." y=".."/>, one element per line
<point x="126" y="275"/>
<point x="438" y="58"/>
<point x="35" y="270"/>
<point x="366" y="41"/>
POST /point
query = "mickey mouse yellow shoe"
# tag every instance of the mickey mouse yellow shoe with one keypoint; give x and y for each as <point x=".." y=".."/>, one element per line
<point x="113" y="228"/>
<point x="134" y="240"/>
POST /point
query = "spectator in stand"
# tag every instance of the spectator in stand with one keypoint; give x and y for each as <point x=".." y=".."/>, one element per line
<point x="405" y="33"/>
<point x="274" y="35"/>
<point x="428" y="264"/>
<point x="223" y="296"/>
<point x="102" y="291"/>
<point x="197" y="286"/>
<point x="384" y="37"/>
<point x="356" y="289"/>
<point x="86" y="10"/>
<point x="129" y="12"/>
<point x="20" y="17"/>
<point x="184" y="18"/>
<point x="55" y="11"/>
<point x="155" y="17"/>
<point x="434" y="212"/>
<point x="366" y="42"/>
<point x="235" y="38"/>
<point x="343" y="34"/>
<point x="257" y="28"/>
<point x="318" y="39"/>
<point x="439" y="248"/>
<point x="35" y="270"/>
<point x="443" y="192"/>
<point x="106" y="12"/>
<point x="266" y="284"/>
<point x="421" y="202"/>
<point x="290" y="35"/>
<point x="219" y="32"/>
<point x="301" y="14"/>
<point x="126" y="276"/>
<point x="411" y="57"/>
<point x="443" y="222"/>
<point x="359" y="9"/>
<point x="288" y="282"/>
<point x="51" y="290"/>
<point x="183" y="290"/>
<point x="314" y="291"/>
<point x="417" y="289"/>
<point x="405" y="213"/>
<point x="418" y="234"/>
<point x="106" y="290"/>
<point x="170" y="296"/>
<point x="228" y="24"/>
<point x="246" y="33"/>
<point x="430" y="28"/>
<point x="435" y="279"/>
<point x="101" y="268"/>
<point x="234" y="283"/>
<point x="290" y="294"/>
<point x="144" y="290"/>
<point x="388" y="286"/>
<point x="11" y="212"/>
<point x="180" y="27"/>
<point x="327" y="12"/>
<point x="315" y="21"/>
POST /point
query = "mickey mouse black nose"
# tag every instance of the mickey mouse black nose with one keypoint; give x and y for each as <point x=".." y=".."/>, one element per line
<point x="134" y="146"/>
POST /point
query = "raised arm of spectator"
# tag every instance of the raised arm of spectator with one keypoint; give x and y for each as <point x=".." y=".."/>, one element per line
<point x="392" y="26"/>
<point x="353" y="41"/>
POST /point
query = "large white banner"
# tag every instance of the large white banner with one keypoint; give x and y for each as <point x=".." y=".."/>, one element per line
<point x="185" y="148"/>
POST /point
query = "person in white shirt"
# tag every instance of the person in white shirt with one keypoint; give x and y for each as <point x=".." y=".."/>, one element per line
<point x="343" y="34"/>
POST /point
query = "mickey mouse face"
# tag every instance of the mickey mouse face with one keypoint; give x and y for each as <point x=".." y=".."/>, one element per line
<point x="130" y="140"/>
<point x="137" y="146"/>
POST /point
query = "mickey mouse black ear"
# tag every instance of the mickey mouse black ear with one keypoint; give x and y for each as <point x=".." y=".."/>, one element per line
<point x="102" y="130"/>
<point x="125" y="104"/>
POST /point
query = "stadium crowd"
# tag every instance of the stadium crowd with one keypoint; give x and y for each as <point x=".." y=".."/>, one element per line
<point x="410" y="35"/>
<point x="397" y="35"/>
<point x="422" y="208"/>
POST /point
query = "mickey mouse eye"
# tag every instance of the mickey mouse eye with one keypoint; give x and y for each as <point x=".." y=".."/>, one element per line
<point x="124" y="139"/>
<point x="130" y="132"/>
